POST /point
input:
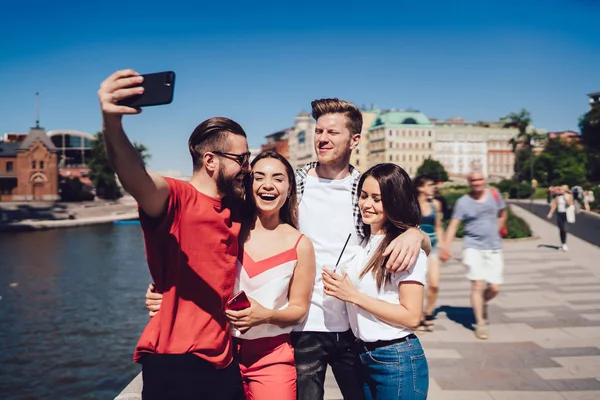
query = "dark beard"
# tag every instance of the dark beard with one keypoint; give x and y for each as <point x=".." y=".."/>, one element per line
<point x="228" y="188"/>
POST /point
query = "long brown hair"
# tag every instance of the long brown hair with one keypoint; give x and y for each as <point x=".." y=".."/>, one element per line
<point x="289" y="212"/>
<point x="402" y="211"/>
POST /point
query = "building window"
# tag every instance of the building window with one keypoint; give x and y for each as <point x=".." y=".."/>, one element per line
<point x="9" y="166"/>
<point x="410" y="157"/>
<point x="33" y="164"/>
<point x="429" y="133"/>
<point x="301" y="137"/>
<point x="429" y="144"/>
<point x="41" y="165"/>
<point x="357" y="162"/>
<point x="403" y="157"/>
<point x="391" y="144"/>
<point x="391" y="158"/>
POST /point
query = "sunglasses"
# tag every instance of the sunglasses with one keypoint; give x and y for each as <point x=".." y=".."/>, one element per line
<point x="241" y="159"/>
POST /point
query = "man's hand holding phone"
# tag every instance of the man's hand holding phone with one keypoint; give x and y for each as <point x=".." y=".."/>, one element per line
<point x="120" y="85"/>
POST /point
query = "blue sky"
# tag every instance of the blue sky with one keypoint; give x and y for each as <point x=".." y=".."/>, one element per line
<point x="261" y="63"/>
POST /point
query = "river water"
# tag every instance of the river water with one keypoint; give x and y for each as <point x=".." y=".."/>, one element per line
<point x="71" y="311"/>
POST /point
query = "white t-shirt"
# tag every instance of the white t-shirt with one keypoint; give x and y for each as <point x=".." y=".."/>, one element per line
<point x="562" y="204"/>
<point x="365" y="325"/>
<point x="325" y="217"/>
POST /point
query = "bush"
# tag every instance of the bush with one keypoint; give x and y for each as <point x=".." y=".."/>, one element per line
<point x="514" y="189"/>
<point x="521" y="190"/>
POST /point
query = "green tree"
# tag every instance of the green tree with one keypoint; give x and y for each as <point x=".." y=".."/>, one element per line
<point x="433" y="169"/>
<point x="101" y="173"/>
<point x="522" y="143"/>
<point x="561" y="163"/>
<point x="589" y="124"/>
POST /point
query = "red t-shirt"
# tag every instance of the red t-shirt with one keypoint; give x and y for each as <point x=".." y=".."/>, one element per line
<point x="191" y="253"/>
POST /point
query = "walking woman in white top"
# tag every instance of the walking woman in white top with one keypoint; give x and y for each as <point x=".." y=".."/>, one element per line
<point x="561" y="202"/>
<point x="385" y="308"/>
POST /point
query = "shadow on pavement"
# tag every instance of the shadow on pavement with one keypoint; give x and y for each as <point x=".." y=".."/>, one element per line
<point x="460" y="315"/>
<point x="549" y="246"/>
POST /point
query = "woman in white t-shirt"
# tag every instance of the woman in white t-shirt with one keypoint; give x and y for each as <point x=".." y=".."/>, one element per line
<point x="561" y="202"/>
<point x="384" y="308"/>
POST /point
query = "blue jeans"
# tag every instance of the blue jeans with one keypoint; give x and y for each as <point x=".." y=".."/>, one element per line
<point x="397" y="371"/>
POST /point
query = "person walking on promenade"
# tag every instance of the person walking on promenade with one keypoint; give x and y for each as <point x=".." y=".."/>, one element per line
<point x="431" y="223"/>
<point x="191" y="234"/>
<point x="328" y="215"/>
<point x="588" y="197"/>
<point x="384" y="308"/>
<point x="483" y="213"/>
<point x="560" y="206"/>
<point x="437" y="195"/>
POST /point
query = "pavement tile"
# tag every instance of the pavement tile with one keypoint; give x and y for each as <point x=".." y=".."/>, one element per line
<point x="513" y="395"/>
<point x="529" y="314"/>
<point x="459" y="395"/>
<point x="582" y="395"/>
<point x="591" y="317"/>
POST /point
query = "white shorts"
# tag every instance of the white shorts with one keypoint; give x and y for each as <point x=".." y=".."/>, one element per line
<point x="484" y="265"/>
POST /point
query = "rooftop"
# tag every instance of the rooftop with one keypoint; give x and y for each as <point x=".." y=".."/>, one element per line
<point x="8" y="149"/>
<point x="400" y="117"/>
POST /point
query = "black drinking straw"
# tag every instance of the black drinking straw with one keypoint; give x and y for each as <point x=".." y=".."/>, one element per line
<point x="340" y="257"/>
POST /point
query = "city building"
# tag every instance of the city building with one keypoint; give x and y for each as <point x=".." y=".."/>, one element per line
<point x="568" y="136"/>
<point x="403" y="137"/>
<point x="463" y="146"/>
<point x="360" y="156"/>
<point x="28" y="167"/>
<point x="278" y="141"/>
<point x="301" y="148"/>
<point x="74" y="149"/>
<point x="254" y="151"/>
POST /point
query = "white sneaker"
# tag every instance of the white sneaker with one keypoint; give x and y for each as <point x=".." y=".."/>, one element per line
<point x="564" y="247"/>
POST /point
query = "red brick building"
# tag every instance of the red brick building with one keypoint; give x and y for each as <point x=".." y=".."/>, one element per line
<point x="278" y="142"/>
<point x="28" y="167"/>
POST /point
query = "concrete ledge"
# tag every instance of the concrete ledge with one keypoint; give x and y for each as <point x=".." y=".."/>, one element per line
<point x="32" y="225"/>
<point x="133" y="391"/>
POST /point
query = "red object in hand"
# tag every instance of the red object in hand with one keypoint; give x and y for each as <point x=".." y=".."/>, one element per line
<point x="238" y="302"/>
<point x="503" y="231"/>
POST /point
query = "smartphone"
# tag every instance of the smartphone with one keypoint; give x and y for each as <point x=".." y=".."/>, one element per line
<point x="238" y="302"/>
<point x="158" y="90"/>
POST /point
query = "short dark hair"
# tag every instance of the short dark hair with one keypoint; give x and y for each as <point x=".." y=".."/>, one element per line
<point x="289" y="211"/>
<point x="212" y="135"/>
<point x="421" y="180"/>
<point x="401" y="205"/>
<point x="336" y="106"/>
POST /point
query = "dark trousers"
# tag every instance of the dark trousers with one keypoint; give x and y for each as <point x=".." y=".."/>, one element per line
<point x="313" y="351"/>
<point x="561" y="221"/>
<point x="188" y="377"/>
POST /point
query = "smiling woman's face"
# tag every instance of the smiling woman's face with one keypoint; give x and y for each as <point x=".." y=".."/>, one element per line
<point x="270" y="185"/>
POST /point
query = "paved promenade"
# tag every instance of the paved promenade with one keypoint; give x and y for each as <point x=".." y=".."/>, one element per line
<point x="544" y="334"/>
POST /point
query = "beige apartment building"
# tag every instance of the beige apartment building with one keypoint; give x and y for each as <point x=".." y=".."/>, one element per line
<point x="403" y="137"/>
<point x="360" y="156"/>
<point x="301" y="147"/>
<point x="463" y="146"/>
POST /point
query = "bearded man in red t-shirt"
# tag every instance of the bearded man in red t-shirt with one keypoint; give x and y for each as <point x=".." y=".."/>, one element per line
<point x="191" y="234"/>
